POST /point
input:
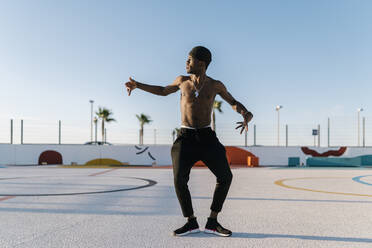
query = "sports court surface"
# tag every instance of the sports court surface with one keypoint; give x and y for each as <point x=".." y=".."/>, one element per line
<point x="266" y="207"/>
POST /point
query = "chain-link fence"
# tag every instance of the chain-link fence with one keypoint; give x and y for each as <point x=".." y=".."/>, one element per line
<point x="335" y="131"/>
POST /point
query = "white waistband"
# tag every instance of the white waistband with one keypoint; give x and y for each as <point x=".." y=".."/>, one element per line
<point x="182" y="126"/>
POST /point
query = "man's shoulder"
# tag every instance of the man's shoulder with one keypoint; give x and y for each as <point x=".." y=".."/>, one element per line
<point x="217" y="85"/>
<point x="182" y="78"/>
<point x="216" y="82"/>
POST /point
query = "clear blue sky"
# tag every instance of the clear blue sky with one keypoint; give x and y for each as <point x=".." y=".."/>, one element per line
<point x="312" y="57"/>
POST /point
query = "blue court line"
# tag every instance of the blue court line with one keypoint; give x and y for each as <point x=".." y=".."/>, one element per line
<point x="358" y="179"/>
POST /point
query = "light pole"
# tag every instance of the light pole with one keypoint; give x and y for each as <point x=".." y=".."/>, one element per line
<point x="91" y="120"/>
<point x="359" y="110"/>
<point x="277" y="108"/>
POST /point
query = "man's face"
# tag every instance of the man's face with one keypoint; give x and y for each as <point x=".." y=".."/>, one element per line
<point x="193" y="65"/>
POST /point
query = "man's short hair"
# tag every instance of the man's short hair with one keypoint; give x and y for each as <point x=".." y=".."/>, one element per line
<point x="202" y="53"/>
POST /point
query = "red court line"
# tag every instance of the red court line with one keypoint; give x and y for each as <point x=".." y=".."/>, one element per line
<point x="101" y="172"/>
<point x="6" y="198"/>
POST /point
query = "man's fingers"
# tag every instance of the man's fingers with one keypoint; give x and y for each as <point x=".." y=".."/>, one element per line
<point x="243" y="127"/>
<point x="239" y="126"/>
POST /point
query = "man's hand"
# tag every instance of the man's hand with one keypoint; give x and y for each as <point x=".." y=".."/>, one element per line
<point x="244" y="124"/>
<point x="131" y="85"/>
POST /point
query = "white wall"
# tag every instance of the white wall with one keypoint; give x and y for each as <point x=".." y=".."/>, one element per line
<point x="29" y="154"/>
<point x="7" y="154"/>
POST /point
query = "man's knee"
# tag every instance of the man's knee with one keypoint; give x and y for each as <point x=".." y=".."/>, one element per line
<point x="229" y="177"/>
<point x="225" y="179"/>
<point x="180" y="181"/>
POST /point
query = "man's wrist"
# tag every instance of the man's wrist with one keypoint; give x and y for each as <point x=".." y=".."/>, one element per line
<point x="138" y="85"/>
<point x="247" y="114"/>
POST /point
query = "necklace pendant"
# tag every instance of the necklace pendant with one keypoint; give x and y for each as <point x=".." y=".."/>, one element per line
<point x="196" y="94"/>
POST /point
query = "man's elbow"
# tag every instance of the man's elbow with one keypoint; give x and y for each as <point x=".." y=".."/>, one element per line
<point x="164" y="93"/>
<point x="167" y="91"/>
<point x="234" y="104"/>
<point x="234" y="107"/>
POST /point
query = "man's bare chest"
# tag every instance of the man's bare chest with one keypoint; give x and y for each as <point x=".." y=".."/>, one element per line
<point x="190" y="93"/>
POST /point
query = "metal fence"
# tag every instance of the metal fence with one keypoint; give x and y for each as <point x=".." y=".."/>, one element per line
<point x="336" y="131"/>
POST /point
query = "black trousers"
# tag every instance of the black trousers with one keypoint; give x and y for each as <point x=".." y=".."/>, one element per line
<point x="194" y="145"/>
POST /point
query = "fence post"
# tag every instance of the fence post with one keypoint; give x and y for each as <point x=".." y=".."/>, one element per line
<point x="286" y="135"/>
<point x="59" y="132"/>
<point x="329" y="130"/>
<point x="318" y="135"/>
<point x="364" y="131"/>
<point x="254" y="134"/>
<point x="245" y="137"/>
<point x="11" y="131"/>
<point x="154" y="136"/>
<point x="21" y="131"/>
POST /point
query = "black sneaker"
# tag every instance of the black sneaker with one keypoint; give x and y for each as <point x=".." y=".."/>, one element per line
<point x="213" y="227"/>
<point x="191" y="226"/>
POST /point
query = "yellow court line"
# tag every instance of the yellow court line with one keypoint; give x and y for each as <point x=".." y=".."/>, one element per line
<point x="281" y="183"/>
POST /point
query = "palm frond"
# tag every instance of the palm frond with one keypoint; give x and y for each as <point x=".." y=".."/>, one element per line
<point x="217" y="105"/>
<point x="143" y="119"/>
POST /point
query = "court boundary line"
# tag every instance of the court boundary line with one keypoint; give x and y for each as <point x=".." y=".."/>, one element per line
<point x="282" y="184"/>
<point x="149" y="184"/>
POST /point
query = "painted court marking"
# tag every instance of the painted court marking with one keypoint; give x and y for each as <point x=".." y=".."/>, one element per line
<point x="101" y="172"/>
<point x="358" y="179"/>
<point x="149" y="184"/>
<point x="282" y="184"/>
<point x="6" y="198"/>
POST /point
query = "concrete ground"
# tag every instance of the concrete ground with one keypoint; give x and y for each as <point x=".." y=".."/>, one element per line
<point x="266" y="207"/>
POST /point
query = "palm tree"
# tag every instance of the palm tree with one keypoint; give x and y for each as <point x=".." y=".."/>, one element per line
<point x="175" y="132"/>
<point x="143" y="119"/>
<point x="104" y="115"/>
<point x="216" y="105"/>
<point x="95" y="120"/>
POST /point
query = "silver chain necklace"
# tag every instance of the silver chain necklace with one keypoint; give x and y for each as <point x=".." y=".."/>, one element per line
<point x="197" y="92"/>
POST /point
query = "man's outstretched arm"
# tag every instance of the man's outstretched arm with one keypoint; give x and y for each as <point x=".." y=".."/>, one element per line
<point x="154" y="89"/>
<point x="237" y="106"/>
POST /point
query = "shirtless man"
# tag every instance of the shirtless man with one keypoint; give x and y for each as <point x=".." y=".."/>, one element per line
<point x="196" y="140"/>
